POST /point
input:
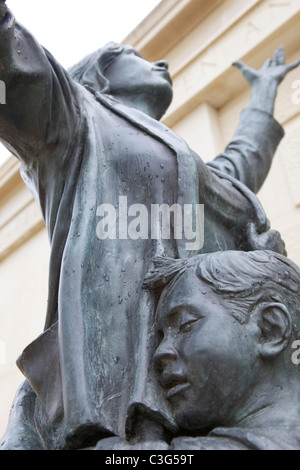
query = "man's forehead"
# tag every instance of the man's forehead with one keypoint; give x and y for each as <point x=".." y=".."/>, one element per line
<point x="181" y="292"/>
<point x="188" y="293"/>
<point x="130" y="50"/>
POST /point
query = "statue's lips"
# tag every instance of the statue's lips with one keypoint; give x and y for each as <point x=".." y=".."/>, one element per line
<point x="174" y="384"/>
<point x="165" y="72"/>
<point x="177" y="389"/>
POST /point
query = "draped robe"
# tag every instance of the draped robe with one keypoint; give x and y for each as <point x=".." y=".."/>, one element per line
<point x="90" y="372"/>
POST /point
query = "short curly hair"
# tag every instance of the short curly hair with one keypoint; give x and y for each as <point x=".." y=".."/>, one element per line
<point x="242" y="278"/>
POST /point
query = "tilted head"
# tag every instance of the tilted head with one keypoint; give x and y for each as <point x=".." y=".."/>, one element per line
<point x="226" y="319"/>
<point x="120" y="71"/>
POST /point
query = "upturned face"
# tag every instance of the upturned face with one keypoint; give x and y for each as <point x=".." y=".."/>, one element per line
<point x="206" y="358"/>
<point x="133" y="77"/>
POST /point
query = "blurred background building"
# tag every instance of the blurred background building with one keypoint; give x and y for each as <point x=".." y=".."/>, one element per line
<point x="200" y="39"/>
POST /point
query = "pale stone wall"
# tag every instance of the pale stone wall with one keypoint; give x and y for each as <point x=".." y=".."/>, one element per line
<point x="23" y="299"/>
<point x="200" y="39"/>
<point x="209" y="93"/>
<point x="24" y="255"/>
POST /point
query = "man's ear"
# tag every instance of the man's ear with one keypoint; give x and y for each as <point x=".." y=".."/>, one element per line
<point x="275" y="323"/>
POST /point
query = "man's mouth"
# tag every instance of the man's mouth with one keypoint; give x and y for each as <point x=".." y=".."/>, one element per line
<point x="177" y="389"/>
<point x="174" y="384"/>
<point x="165" y="72"/>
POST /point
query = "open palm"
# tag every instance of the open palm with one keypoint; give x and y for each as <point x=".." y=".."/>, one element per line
<point x="274" y="68"/>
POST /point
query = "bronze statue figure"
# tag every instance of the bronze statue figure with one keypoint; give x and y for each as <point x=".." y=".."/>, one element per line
<point x="227" y="323"/>
<point x="87" y="137"/>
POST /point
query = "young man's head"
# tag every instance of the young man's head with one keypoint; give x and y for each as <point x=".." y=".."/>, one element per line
<point x="120" y="71"/>
<point x="227" y="321"/>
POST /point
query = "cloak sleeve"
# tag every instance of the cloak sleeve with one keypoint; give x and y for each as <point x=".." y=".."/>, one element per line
<point x="249" y="155"/>
<point x="39" y="100"/>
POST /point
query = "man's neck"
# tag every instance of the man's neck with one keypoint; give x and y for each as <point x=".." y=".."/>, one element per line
<point x="280" y="407"/>
<point x="143" y="105"/>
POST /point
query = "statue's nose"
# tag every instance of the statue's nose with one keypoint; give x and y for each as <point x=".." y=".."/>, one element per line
<point x="163" y="64"/>
<point x="164" y="354"/>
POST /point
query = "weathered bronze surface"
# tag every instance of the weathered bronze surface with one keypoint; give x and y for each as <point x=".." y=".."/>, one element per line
<point x="90" y="138"/>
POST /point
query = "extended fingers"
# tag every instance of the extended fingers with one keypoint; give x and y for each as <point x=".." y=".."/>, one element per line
<point x="293" y="66"/>
<point x="267" y="64"/>
<point x="240" y="65"/>
<point x="279" y="56"/>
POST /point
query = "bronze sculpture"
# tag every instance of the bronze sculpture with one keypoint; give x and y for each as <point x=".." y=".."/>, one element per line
<point x="227" y="322"/>
<point x="87" y="138"/>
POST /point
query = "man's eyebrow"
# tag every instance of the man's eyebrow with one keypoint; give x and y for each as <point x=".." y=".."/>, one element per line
<point x="174" y="311"/>
<point x="177" y="309"/>
<point x="166" y="316"/>
<point x="133" y="51"/>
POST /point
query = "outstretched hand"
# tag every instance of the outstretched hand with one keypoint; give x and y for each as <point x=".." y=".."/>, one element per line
<point x="270" y="240"/>
<point x="3" y="8"/>
<point x="274" y="68"/>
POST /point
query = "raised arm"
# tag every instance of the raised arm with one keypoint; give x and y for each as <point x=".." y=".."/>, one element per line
<point x="39" y="105"/>
<point x="249" y="155"/>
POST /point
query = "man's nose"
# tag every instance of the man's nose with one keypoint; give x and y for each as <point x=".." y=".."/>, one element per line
<point x="162" y="63"/>
<point x="164" y="354"/>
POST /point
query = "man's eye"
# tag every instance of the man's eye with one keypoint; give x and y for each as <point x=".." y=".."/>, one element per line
<point x="133" y="52"/>
<point x="187" y="326"/>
